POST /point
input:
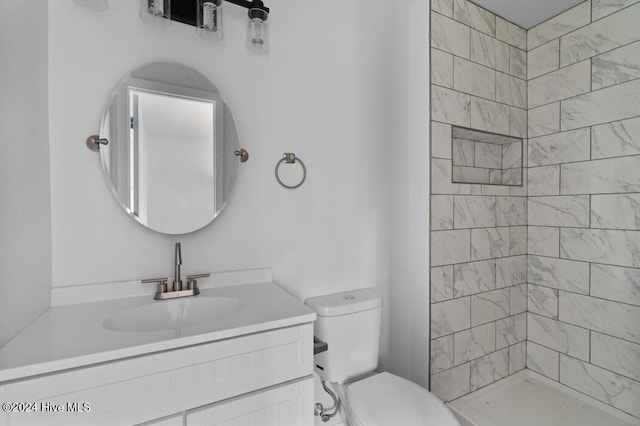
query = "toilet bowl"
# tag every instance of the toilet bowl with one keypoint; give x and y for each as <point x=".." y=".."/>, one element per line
<point x="385" y="399"/>
<point x="350" y="324"/>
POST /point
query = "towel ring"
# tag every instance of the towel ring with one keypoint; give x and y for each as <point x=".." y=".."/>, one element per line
<point x="290" y="158"/>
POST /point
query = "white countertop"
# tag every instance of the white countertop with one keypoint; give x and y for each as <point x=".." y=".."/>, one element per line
<point x="73" y="336"/>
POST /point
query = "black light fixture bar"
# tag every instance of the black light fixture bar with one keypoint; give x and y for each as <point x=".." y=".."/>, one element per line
<point x="254" y="4"/>
<point x="185" y="10"/>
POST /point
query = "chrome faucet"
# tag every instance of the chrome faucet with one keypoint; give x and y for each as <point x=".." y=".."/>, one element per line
<point x="192" y="281"/>
<point x="177" y="281"/>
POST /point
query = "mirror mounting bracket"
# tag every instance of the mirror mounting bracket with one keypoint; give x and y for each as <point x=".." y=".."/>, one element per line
<point x="243" y="154"/>
<point x="94" y="142"/>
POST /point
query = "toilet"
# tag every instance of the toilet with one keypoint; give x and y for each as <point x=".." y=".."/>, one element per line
<point x="350" y="324"/>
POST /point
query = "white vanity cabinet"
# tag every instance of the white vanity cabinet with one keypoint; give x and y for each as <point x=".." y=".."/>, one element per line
<point x="262" y="378"/>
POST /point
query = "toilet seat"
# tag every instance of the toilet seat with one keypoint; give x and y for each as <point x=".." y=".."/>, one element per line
<point x="388" y="400"/>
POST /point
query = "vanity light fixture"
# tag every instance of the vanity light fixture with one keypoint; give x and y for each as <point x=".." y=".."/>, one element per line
<point x="156" y="12"/>
<point x="206" y="16"/>
<point x="257" y="31"/>
<point x="209" y="25"/>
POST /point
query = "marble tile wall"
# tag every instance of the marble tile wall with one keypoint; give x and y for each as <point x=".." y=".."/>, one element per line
<point x="583" y="235"/>
<point x="478" y="231"/>
<point x="546" y="275"/>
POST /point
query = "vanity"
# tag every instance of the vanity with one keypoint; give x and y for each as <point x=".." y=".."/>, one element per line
<point x="235" y="353"/>
<point x="238" y="350"/>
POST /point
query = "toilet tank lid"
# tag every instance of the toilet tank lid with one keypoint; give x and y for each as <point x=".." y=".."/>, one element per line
<point x="345" y="303"/>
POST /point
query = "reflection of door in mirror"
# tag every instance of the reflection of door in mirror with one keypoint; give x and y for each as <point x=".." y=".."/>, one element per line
<point x="173" y="141"/>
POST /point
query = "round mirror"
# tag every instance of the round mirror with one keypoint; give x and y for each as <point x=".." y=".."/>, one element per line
<point x="170" y="158"/>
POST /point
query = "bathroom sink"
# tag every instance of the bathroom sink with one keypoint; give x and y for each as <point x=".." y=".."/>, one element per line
<point x="172" y="314"/>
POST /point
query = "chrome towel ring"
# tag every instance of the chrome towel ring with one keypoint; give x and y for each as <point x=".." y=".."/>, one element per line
<point x="290" y="158"/>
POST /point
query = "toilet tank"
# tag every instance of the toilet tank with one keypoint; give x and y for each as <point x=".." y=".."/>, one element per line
<point x="350" y="324"/>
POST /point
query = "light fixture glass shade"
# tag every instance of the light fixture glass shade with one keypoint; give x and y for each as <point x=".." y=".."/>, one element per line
<point x="95" y="5"/>
<point x="258" y="31"/>
<point x="209" y="23"/>
<point x="156" y="12"/>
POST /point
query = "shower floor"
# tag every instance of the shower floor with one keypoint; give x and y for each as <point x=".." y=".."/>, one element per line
<point x="530" y="399"/>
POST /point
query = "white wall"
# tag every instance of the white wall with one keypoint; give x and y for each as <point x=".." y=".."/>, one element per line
<point x="25" y="225"/>
<point x="338" y="88"/>
<point x="408" y="299"/>
<point x="322" y="92"/>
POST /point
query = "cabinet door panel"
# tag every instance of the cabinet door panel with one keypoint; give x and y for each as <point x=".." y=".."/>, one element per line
<point x="290" y="404"/>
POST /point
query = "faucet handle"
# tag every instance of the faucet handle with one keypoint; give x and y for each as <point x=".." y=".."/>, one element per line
<point x="162" y="284"/>
<point x="192" y="282"/>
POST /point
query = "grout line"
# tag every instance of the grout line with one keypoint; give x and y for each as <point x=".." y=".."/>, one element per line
<point x="591" y="143"/>
<point x="453" y="209"/>
<point x="560" y="52"/>
<point x="582" y="327"/>
<point x="537" y="225"/>
<point x="495" y="84"/>
<point x="451" y="147"/>
<point x="558" y="379"/>
<point x="590" y="74"/>
<point x="557" y="293"/>
<point x="590" y="161"/>
<point x="502" y="289"/>
<point x="582" y="360"/>
<point x="469" y="377"/>
<point x="601" y="194"/>
<point x="479" y="63"/>
<point x="597" y="124"/>
<point x="560" y="179"/>
<point x="475" y="95"/>
<point x="474" y="154"/>
<point x="635" y="80"/>
<point x="453" y="348"/>
<point x="560" y="116"/>
<point x="590" y="295"/>
<point x="559" y="241"/>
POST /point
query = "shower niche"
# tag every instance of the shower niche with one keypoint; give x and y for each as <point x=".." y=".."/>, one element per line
<point x="481" y="157"/>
